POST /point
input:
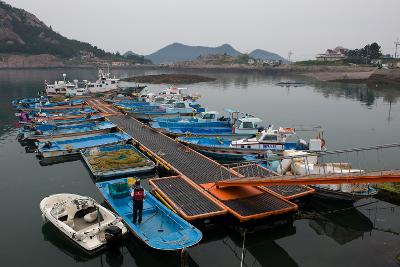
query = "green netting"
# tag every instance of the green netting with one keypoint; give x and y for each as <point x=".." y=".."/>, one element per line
<point x="118" y="190"/>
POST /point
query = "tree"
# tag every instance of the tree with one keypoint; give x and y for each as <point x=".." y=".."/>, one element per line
<point x="374" y="51"/>
<point x="365" y="54"/>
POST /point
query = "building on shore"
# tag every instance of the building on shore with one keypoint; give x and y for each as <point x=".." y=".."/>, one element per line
<point x="332" y="54"/>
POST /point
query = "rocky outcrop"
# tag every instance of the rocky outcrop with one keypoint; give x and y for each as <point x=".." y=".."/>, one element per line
<point x="385" y="76"/>
<point x="33" y="61"/>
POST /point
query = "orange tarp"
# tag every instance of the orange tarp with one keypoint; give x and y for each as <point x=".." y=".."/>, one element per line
<point x="229" y="193"/>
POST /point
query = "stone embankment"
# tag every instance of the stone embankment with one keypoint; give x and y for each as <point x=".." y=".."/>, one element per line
<point x="29" y="61"/>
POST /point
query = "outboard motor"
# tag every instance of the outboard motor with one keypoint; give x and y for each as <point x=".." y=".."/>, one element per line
<point x="113" y="234"/>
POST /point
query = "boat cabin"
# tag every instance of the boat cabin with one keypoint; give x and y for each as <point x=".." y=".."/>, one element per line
<point x="246" y="125"/>
<point x="61" y="87"/>
<point x="209" y="116"/>
<point x="104" y="83"/>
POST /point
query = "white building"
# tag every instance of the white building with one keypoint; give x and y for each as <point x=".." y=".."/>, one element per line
<point x="332" y="54"/>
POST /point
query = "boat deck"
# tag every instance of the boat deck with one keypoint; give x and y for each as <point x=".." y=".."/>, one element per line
<point x="285" y="191"/>
<point x="185" y="198"/>
<point x="201" y="174"/>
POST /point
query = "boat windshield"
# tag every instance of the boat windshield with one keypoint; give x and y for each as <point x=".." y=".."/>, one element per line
<point x="208" y="116"/>
<point x="180" y="105"/>
<point x="247" y="125"/>
<point x="270" y="138"/>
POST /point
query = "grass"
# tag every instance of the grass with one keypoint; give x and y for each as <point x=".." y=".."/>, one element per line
<point x="391" y="187"/>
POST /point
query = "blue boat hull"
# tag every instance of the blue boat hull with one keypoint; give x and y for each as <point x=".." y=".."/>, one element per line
<point x="74" y="146"/>
<point x="62" y="131"/>
<point x="160" y="229"/>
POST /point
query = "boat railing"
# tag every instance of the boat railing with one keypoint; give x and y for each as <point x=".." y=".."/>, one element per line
<point x="354" y="161"/>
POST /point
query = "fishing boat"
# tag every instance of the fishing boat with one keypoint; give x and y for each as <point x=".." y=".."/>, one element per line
<point x="181" y="109"/>
<point x="63" y="87"/>
<point x="51" y="123"/>
<point x="131" y="90"/>
<point x="178" y="93"/>
<point x="29" y="101"/>
<point x="203" y="119"/>
<point x="242" y="128"/>
<point x="39" y="133"/>
<point x="267" y="140"/>
<point x="82" y="220"/>
<point x="65" y="120"/>
<point x="160" y="229"/>
<point x="73" y="146"/>
<point x="116" y="160"/>
<point x="104" y="83"/>
<point x="55" y="113"/>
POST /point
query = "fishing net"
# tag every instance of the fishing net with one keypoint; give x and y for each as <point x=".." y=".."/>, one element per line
<point x="121" y="159"/>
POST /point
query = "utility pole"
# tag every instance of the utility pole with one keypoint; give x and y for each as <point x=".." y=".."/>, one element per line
<point x="397" y="43"/>
<point x="290" y="53"/>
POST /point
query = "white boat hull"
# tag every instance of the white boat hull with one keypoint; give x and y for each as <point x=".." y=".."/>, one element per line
<point x="90" y="238"/>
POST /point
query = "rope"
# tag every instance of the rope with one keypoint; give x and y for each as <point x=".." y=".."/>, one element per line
<point x="244" y="240"/>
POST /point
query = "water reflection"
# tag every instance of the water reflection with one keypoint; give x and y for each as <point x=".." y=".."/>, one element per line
<point x="110" y="256"/>
<point x="253" y="93"/>
<point x="338" y="220"/>
<point x="364" y="93"/>
<point x="56" y="238"/>
<point x="224" y="248"/>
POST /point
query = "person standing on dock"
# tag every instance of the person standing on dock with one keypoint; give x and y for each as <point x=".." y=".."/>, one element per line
<point x="138" y="195"/>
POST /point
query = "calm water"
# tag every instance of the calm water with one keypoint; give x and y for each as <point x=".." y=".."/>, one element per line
<point x="352" y="115"/>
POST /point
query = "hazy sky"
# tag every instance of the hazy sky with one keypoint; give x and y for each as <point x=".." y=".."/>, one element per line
<point x="306" y="27"/>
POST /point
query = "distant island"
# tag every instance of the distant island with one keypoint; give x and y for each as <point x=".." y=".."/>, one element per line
<point x="169" y="79"/>
<point x="178" y="52"/>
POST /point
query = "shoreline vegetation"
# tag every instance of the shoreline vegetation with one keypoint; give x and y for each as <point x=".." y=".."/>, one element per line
<point x="169" y="79"/>
<point x="389" y="192"/>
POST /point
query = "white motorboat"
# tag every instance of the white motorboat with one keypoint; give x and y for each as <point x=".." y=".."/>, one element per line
<point x="64" y="87"/>
<point x="83" y="220"/>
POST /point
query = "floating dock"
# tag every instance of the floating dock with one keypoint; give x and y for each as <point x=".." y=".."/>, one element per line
<point x="198" y="174"/>
<point x="193" y="192"/>
<point x="286" y="191"/>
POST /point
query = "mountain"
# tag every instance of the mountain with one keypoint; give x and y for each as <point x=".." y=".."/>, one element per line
<point x="22" y="33"/>
<point x="180" y="52"/>
<point x="265" y="55"/>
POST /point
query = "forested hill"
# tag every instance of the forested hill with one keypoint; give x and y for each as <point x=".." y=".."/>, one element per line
<point x="23" y="33"/>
